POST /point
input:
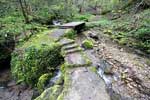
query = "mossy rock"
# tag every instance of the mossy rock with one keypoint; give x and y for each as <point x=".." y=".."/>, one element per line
<point x="51" y="93"/>
<point x="43" y="80"/>
<point x="88" y="44"/>
<point x="34" y="58"/>
<point x="67" y="82"/>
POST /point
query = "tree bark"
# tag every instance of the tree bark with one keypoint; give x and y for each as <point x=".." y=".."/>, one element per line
<point x="24" y="12"/>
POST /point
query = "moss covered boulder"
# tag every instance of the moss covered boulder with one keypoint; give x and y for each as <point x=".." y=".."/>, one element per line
<point x="34" y="58"/>
<point x="43" y="81"/>
<point x="51" y="93"/>
<point x="88" y="44"/>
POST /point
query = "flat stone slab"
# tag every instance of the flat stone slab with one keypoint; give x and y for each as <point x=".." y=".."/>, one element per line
<point x="73" y="50"/>
<point x="57" y="33"/>
<point x="85" y="85"/>
<point x="71" y="46"/>
<point x="76" y="59"/>
<point x="66" y="41"/>
<point x="78" y="26"/>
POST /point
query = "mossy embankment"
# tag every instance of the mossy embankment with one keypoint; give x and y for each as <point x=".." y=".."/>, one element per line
<point x="35" y="61"/>
<point x="31" y="59"/>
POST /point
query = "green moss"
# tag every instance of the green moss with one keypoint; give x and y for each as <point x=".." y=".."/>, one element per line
<point x="93" y="69"/>
<point x="29" y="64"/>
<point x="88" y="44"/>
<point x="70" y="33"/>
<point x="51" y="93"/>
<point x="38" y="39"/>
<point x="67" y="83"/>
<point x="43" y="80"/>
<point x="123" y="41"/>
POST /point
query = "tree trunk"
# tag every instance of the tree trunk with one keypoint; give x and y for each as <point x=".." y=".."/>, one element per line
<point x="24" y="12"/>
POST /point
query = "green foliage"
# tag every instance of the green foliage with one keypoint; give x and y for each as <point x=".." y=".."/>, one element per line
<point x="131" y="30"/>
<point x="70" y="34"/>
<point x="103" y="23"/>
<point x="143" y="34"/>
<point x="83" y="17"/>
<point x="88" y="44"/>
<point x="29" y="64"/>
<point x="43" y="80"/>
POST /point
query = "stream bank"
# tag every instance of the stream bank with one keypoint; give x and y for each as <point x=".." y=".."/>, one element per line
<point x="125" y="73"/>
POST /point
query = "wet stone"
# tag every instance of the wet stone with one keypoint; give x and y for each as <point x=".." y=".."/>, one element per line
<point x="107" y="68"/>
<point x="74" y="50"/>
<point x="66" y="41"/>
<point x="58" y="33"/>
<point x="76" y="59"/>
<point x="71" y="46"/>
<point x="85" y="85"/>
<point x="93" y="35"/>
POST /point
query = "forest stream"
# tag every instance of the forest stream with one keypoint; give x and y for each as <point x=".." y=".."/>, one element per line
<point x="74" y="49"/>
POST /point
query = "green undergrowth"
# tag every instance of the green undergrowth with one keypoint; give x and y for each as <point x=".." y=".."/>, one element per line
<point x="102" y="22"/>
<point x="70" y="34"/>
<point x="130" y="29"/>
<point x="13" y="30"/>
<point x="83" y="17"/>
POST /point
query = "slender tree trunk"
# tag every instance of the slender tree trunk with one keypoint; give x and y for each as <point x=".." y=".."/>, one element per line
<point x="24" y="12"/>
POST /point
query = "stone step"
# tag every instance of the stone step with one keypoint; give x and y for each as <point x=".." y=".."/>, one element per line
<point x="71" y="46"/>
<point x="77" y="59"/>
<point x="57" y="33"/>
<point x="66" y="41"/>
<point x="78" y="49"/>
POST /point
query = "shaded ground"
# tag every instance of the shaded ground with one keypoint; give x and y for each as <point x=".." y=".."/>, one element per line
<point x="9" y="90"/>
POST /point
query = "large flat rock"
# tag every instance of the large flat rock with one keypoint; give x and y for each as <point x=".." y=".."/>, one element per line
<point x="85" y="85"/>
<point x="57" y="33"/>
<point x="72" y="24"/>
<point x="77" y="26"/>
<point x="77" y="59"/>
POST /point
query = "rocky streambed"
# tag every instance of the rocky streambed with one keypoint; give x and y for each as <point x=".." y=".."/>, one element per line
<point x="9" y="90"/>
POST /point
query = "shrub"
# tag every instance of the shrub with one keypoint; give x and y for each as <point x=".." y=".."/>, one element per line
<point x="70" y="33"/>
<point x="29" y="64"/>
<point x="143" y="34"/>
<point x="88" y="44"/>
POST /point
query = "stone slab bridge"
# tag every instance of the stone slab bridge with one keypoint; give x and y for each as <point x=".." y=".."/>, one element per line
<point x="84" y="84"/>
